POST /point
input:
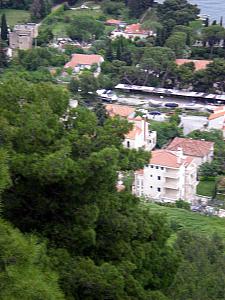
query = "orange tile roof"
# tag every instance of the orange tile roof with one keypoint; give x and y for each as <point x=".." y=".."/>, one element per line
<point x="83" y="59"/>
<point x="216" y="115"/>
<point x="119" y="110"/>
<point x="191" y="147"/>
<point x="133" y="133"/>
<point x="198" y="63"/>
<point x="135" y="29"/>
<point x="113" y="22"/>
<point x="169" y="159"/>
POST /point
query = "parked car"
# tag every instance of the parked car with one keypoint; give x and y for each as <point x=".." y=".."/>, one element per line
<point x="171" y="104"/>
<point x="155" y="113"/>
<point x="153" y="103"/>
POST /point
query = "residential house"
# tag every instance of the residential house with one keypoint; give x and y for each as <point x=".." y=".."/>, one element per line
<point x="199" y="64"/>
<point x="202" y="151"/>
<point x="168" y="177"/>
<point x="23" y="35"/>
<point x="132" y="31"/>
<point x="80" y="62"/>
<point x="140" y="136"/>
<point x="114" y="22"/>
<point x="217" y="119"/>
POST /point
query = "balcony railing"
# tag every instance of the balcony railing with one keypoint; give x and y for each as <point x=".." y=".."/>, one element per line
<point x="171" y="174"/>
<point x="171" y="185"/>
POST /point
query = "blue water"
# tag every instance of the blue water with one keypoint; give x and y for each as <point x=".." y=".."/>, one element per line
<point x="214" y="8"/>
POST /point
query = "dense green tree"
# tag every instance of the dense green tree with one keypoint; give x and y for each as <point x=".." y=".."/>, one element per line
<point x="137" y="7"/>
<point x="33" y="59"/>
<point x="85" y="28"/>
<point x="24" y="268"/>
<point x="39" y="9"/>
<point x="213" y="35"/>
<point x="177" y="42"/>
<point x="201" y="274"/>
<point x="117" y="248"/>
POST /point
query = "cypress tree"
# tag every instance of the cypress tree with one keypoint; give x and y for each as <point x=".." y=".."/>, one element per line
<point x="4" y="28"/>
<point x="3" y="57"/>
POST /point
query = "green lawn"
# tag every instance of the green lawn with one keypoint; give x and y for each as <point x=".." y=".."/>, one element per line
<point x="193" y="221"/>
<point x="15" y="16"/>
<point x="206" y="188"/>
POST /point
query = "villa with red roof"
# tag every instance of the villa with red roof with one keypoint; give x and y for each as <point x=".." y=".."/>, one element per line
<point x="201" y="151"/>
<point x="168" y="177"/>
<point x="133" y="31"/>
<point x="140" y="136"/>
<point x="199" y="64"/>
<point x="80" y="62"/>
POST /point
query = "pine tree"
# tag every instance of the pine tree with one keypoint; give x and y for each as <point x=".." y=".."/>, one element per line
<point x="39" y="9"/>
<point x="4" y="28"/>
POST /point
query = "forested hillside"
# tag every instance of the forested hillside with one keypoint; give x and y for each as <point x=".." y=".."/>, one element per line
<point x="58" y="180"/>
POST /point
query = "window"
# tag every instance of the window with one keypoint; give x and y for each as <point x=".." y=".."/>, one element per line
<point x="162" y="168"/>
<point x="151" y="186"/>
<point x="151" y="175"/>
<point x="128" y="144"/>
<point x="159" y="189"/>
<point x="159" y="177"/>
<point x="157" y="167"/>
<point x="152" y="166"/>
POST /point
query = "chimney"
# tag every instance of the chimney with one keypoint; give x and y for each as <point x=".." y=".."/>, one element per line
<point x="179" y="155"/>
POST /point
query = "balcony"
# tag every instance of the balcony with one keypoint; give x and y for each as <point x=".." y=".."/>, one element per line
<point x="170" y="196"/>
<point x="172" y="174"/>
<point x="171" y="184"/>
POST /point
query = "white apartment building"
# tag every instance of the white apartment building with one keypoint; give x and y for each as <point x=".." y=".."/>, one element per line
<point x="168" y="177"/>
<point x="140" y="136"/>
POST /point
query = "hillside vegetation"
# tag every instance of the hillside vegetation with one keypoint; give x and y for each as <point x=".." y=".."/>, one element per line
<point x="193" y="221"/>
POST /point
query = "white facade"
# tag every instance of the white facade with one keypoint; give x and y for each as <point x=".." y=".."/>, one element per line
<point x="140" y="136"/>
<point x="164" y="183"/>
<point x="118" y="33"/>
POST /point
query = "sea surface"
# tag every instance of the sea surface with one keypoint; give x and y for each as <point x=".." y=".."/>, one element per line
<point x="214" y="8"/>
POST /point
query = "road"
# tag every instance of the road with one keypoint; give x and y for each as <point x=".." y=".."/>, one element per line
<point x="140" y="99"/>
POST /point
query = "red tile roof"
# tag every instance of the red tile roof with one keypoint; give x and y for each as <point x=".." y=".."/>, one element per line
<point x="169" y="159"/>
<point x="135" y="29"/>
<point x="191" y="147"/>
<point x="83" y="59"/>
<point x="216" y="115"/>
<point x="113" y="22"/>
<point x="119" y="110"/>
<point x="133" y="133"/>
<point x="198" y="63"/>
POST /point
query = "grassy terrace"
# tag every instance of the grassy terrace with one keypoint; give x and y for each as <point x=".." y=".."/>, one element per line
<point x="206" y="188"/>
<point x="193" y="221"/>
<point x="15" y="16"/>
<point x="58" y="22"/>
